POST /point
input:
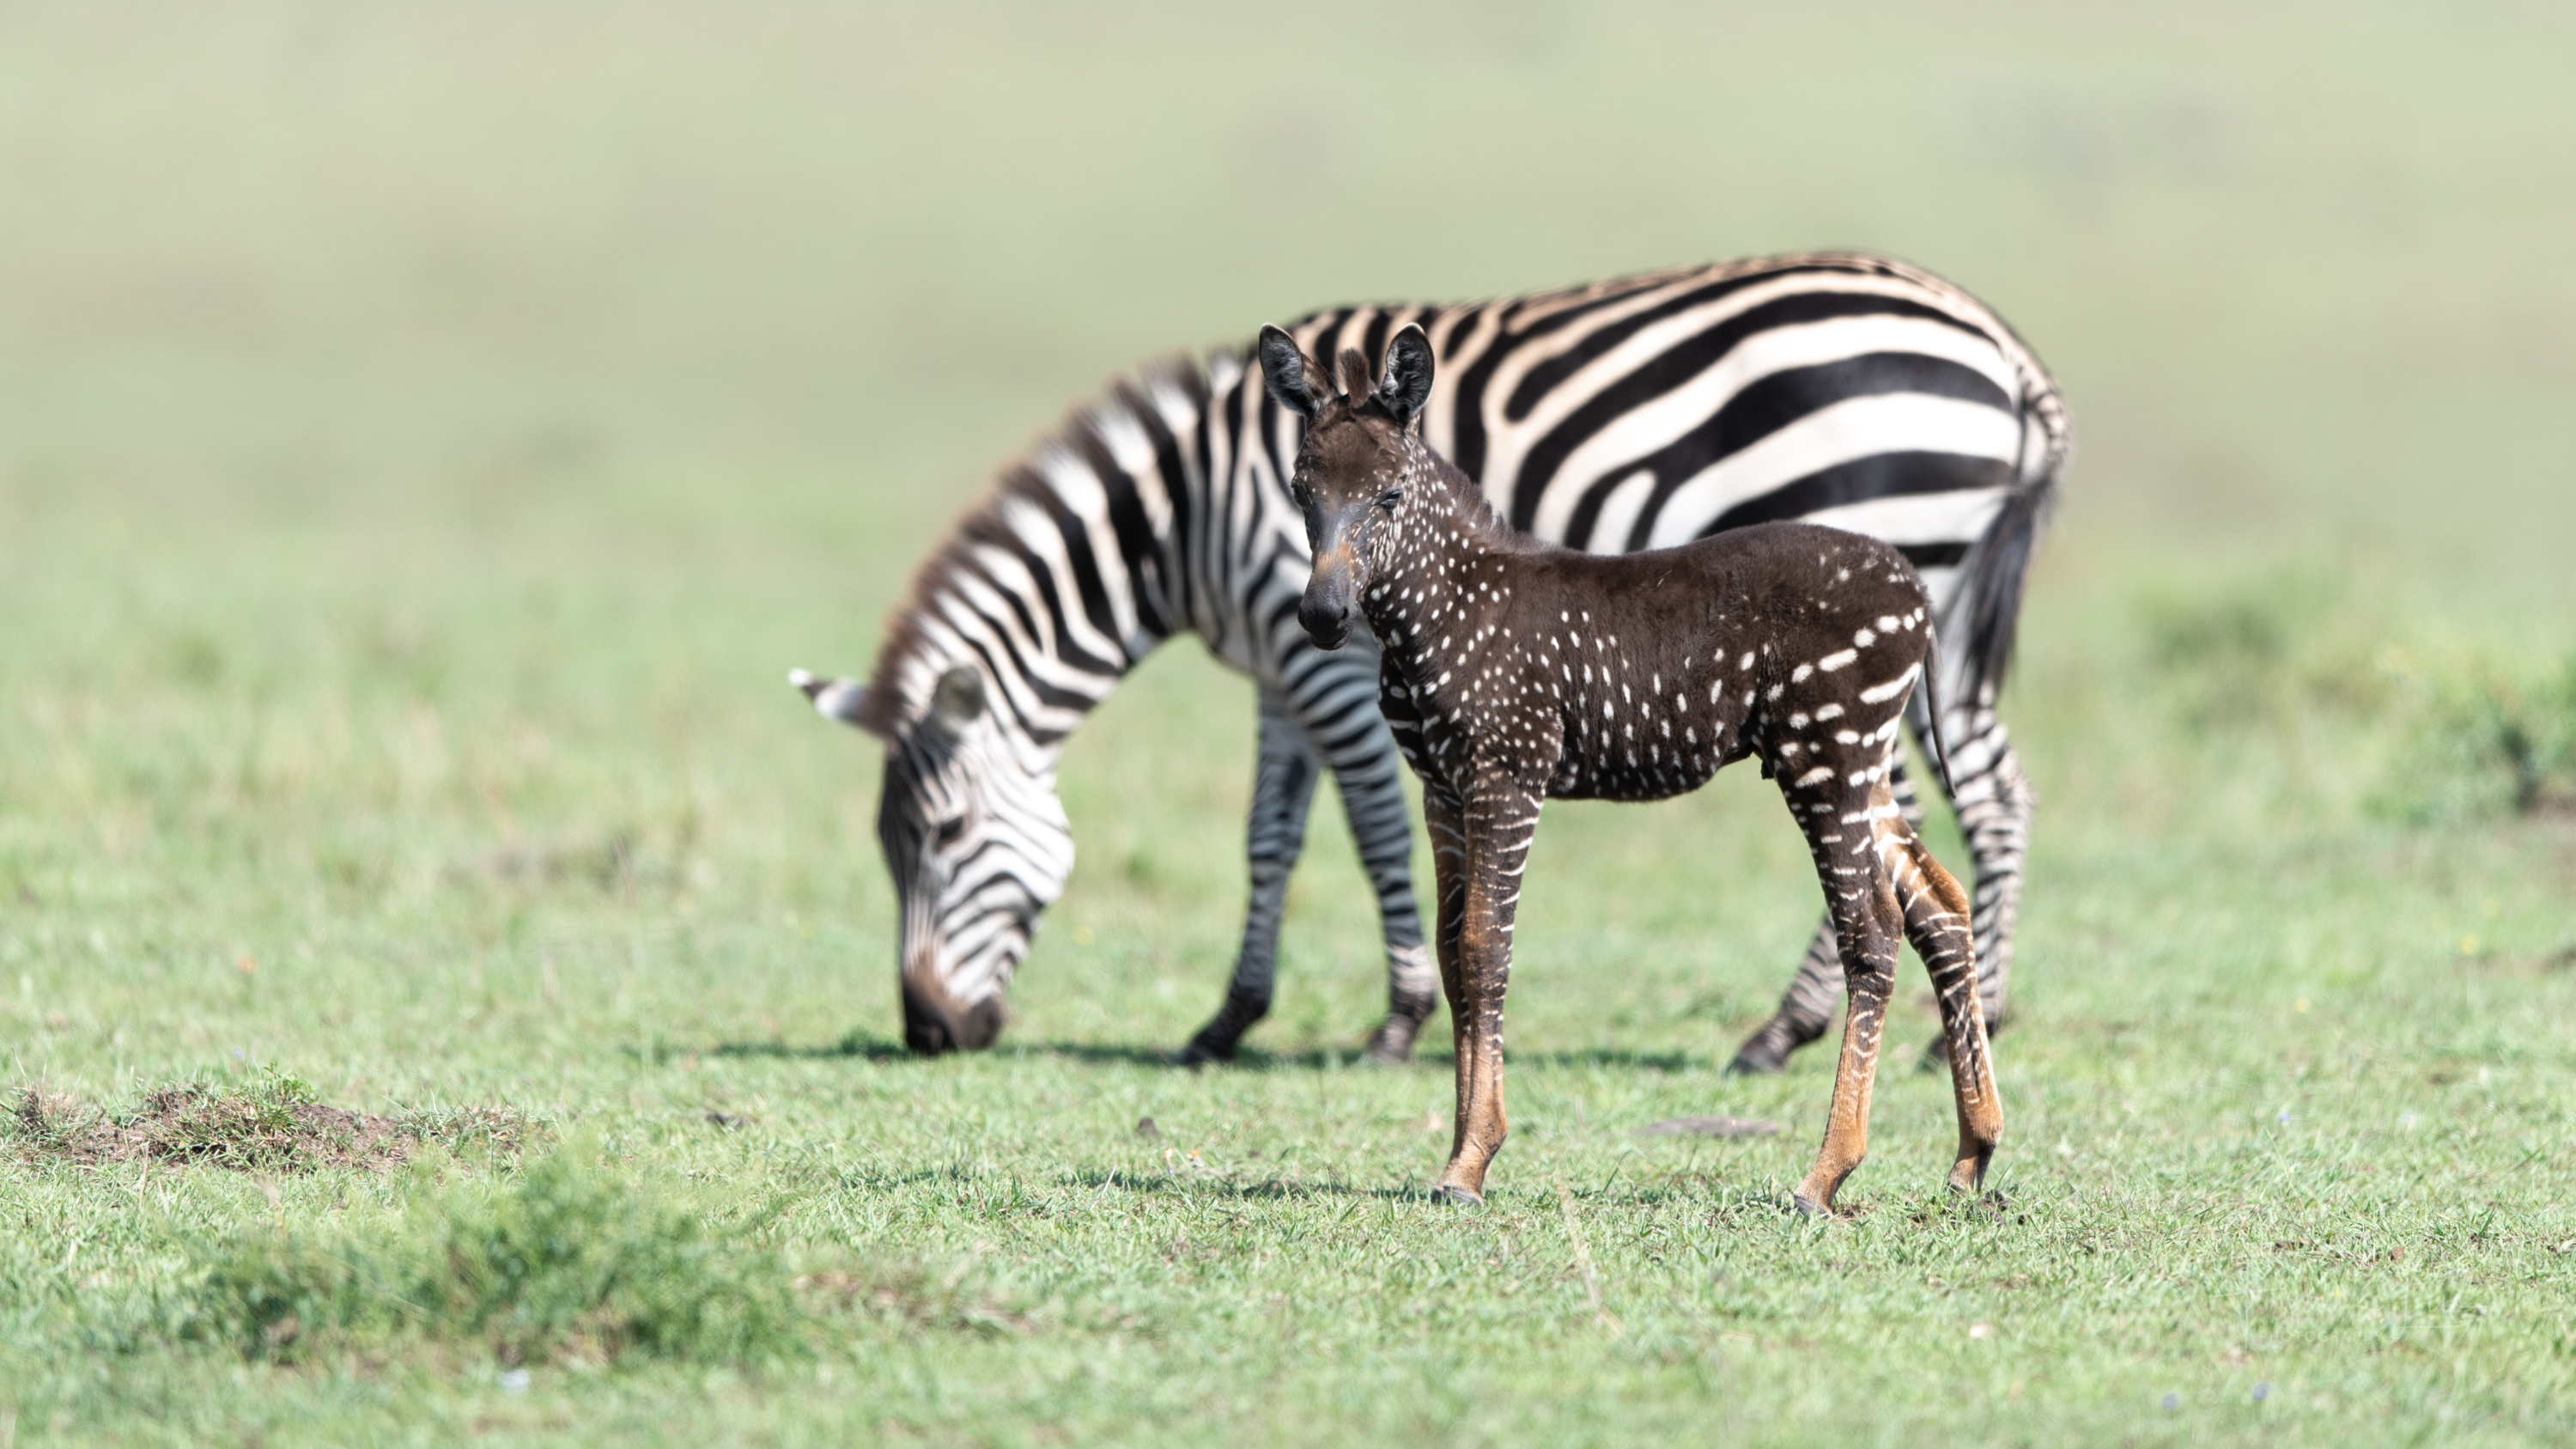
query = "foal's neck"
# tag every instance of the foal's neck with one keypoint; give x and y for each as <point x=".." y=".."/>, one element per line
<point x="1443" y="544"/>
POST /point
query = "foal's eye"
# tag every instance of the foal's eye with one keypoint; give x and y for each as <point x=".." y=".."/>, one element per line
<point x="1298" y="494"/>
<point x="1390" y="498"/>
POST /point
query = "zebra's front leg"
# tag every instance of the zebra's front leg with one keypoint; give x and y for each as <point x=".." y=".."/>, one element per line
<point x="1373" y="798"/>
<point x="1498" y="822"/>
<point x="1283" y="787"/>
<point x="1342" y="718"/>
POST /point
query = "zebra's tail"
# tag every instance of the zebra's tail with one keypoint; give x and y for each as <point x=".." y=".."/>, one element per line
<point x="1987" y="614"/>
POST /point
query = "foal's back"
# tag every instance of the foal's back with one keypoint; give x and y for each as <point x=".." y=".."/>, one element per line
<point x="1639" y="676"/>
<point x="1804" y="590"/>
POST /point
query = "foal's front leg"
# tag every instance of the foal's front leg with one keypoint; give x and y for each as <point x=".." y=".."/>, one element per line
<point x="1445" y="823"/>
<point x="1496" y="824"/>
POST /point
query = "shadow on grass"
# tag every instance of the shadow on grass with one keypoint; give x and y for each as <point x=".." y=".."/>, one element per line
<point x="1269" y="1189"/>
<point x="1253" y="1059"/>
<point x="1250" y="1059"/>
<point x="1188" y="1182"/>
<point x="862" y="1045"/>
<point x="857" y="1045"/>
<point x="1672" y="1061"/>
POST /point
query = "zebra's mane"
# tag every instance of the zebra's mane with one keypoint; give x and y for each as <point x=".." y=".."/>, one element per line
<point x="910" y="655"/>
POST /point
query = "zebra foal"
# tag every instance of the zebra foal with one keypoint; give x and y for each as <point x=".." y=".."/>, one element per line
<point x="1505" y="680"/>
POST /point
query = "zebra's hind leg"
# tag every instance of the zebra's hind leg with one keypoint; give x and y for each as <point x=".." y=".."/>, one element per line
<point x="1283" y="787"/>
<point x="1996" y="821"/>
<point x="1993" y="805"/>
<point x="1808" y="1008"/>
<point x="1804" y="1012"/>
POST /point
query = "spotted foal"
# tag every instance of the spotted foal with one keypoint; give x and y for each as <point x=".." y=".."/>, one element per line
<point x="1513" y="670"/>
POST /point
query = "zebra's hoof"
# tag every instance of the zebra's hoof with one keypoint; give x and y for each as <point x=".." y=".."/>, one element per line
<point x="1213" y="1045"/>
<point x="1201" y="1053"/>
<point x="1757" y="1058"/>
<point x="1390" y="1045"/>
<point x="1450" y="1194"/>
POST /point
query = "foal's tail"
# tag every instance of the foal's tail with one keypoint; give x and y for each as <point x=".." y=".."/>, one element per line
<point x="1930" y="728"/>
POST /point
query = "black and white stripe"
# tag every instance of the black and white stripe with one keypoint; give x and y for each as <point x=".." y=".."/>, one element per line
<point x="1845" y="389"/>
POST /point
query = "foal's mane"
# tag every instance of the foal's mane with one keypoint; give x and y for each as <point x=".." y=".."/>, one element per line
<point x="1489" y="528"/>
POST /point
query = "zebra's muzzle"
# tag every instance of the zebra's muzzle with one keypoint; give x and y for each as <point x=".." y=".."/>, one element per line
<point x="934" y="1025"/>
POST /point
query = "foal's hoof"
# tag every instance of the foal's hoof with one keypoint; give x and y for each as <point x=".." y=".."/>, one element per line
<point x="1968" y="1175"/>
<point x="1450" y="1194"/>
<point x="1808" y="1207"/>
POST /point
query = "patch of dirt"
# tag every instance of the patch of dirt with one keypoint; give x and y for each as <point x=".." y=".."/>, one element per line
<point x="246" y="1131"/>
<point x="1990" y="1206"/>
<point x="911" y="1297"/>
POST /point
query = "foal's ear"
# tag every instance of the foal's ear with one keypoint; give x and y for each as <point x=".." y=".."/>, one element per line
<point x="1405" y="384"/>
<point x="1285" y="370"/>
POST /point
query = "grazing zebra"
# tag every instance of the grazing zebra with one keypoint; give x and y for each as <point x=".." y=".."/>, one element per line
<point x="1788" y="642"/>
<point x="1628" y="414"/>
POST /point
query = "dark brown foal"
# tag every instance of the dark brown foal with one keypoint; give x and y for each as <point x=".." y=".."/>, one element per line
<point x="1514" y="670"/>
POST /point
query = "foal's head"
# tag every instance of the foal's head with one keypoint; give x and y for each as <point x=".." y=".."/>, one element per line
<point x="1362" y="449"/>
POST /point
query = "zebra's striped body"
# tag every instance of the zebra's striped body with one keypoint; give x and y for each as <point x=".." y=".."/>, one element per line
<point x="1844" y="389"/>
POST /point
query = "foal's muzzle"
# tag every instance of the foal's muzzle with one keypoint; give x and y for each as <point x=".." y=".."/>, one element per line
<point x="1325" y="612"/>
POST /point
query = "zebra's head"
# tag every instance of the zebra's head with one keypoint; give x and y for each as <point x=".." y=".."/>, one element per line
<point x="977" y="845"/>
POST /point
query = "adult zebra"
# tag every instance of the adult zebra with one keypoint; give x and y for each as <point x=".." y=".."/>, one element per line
<point x="1636" y="413"/>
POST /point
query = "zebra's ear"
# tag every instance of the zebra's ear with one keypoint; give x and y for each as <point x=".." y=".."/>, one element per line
<point x="1404" y="386"/>
<point x="957" y="700"/>
<point x="1285" y="370"/>
<point x="845" y="700"/>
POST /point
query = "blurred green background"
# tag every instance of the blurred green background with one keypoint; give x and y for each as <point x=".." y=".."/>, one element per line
<point x="433" y="429"/>
<point x="684" y="272"/>
<point x="428" y="433"/>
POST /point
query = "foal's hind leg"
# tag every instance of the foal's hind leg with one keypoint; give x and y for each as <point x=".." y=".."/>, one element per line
<point x="1867" y="920"/>
<point x="1936" y="921"/>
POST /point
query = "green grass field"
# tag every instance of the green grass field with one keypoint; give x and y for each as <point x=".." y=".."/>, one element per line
<point x="427" y="437"/>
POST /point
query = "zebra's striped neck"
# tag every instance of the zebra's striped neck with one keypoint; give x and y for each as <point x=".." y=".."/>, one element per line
<point x="1066" y="575"/>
